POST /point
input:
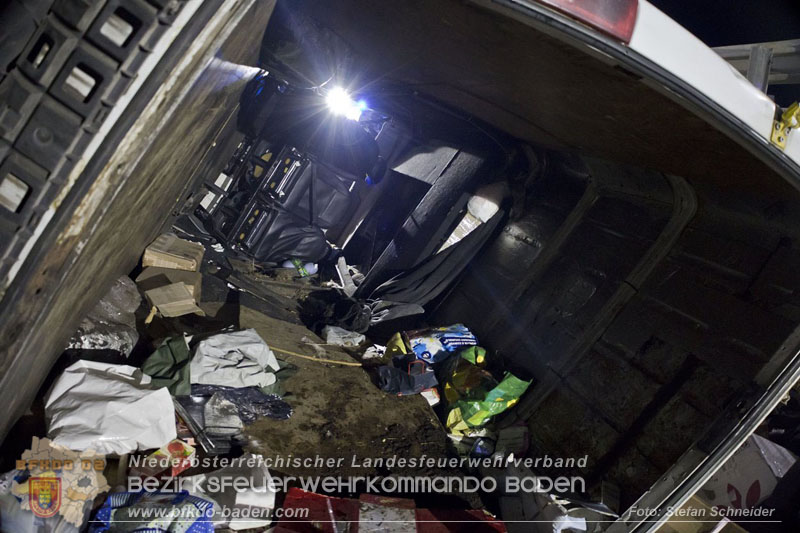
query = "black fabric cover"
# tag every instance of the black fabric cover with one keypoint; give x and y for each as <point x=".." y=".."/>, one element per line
<point x="334" y="308"/>
<point x="399" y="381"/>
<point x="430" y="278"/>
<point x="286" y="238"/>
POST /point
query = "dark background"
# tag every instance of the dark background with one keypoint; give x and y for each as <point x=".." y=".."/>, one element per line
<point x="724" y="22"/>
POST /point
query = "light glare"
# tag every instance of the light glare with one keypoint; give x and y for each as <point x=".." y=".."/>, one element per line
<point x="340" y="103"/>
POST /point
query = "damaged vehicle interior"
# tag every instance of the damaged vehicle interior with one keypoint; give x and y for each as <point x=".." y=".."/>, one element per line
<point x="333" y="234"/>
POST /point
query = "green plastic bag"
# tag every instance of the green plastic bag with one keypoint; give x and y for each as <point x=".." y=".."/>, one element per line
<point x="475" y="355"/>
<point x="467" y="414"/>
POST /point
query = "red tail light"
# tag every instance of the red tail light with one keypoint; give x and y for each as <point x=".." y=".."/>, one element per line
<point x="613" y="17"/>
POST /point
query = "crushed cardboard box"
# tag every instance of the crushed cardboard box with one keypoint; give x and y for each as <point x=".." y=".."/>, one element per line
<point x="171" y="252"/>
<point x="173" y="300"/>
<point x="155" y="277"/>
<point x="750" y="476"/>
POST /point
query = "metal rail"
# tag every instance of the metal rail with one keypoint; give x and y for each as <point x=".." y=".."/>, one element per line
<point x="772" y="63"/>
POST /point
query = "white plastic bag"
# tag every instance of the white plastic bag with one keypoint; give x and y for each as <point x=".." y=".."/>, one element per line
<point x="237" y="359"/>
<point x="108" y="408"/>
<point x="342" y="337"/>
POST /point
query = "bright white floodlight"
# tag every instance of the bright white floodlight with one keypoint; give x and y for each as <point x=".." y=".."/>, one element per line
<point x="340" y="103"/>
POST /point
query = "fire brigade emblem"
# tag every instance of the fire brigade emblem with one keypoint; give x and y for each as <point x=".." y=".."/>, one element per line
<point x="44" y="495"/>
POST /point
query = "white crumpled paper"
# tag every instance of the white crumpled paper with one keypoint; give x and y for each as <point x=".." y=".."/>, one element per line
<point x="376" y="351"/>
<point x="108" y="408"/>
<point x="237" y="359"/>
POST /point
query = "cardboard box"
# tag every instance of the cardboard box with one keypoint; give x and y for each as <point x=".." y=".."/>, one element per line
<point x="695" y="516"/>
<point x="155" y="277"/>
<point x="750" y="476"/>
<point x="173" y="300"/>
<point x="169" y="251"/>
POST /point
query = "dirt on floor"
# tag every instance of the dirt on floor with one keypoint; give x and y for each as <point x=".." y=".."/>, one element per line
<point x="342" y="425"/>
<point x="338" y="411"/>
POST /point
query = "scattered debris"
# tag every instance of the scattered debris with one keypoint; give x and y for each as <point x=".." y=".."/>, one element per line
<point x="475" y="443"/>
<point x="250" y="507"/>
<point x="378" y="513"/>
<point x="343" y="270"/>
<point x="168" y="366"/>
<point x="251" y="404"/>
<point x="174" y="458"/>
<point x="304" y="269"/>
<point x="169" y="251"/>
<point x="173" y="300"/>
<point x="376" y="351"/>
<point x="749" y="476"/>
<point x="513" y="440"/>
<point x="337" y="336"/>
<point x="108" y="408"/>
<point x="404" y="381"/>
<point x="175" y="512"/>
<point x="431" y="396"/>
<point x="407" y="374"/>
<point x="236" y="359"/>
<point x="319" y="357"/>
<point x="481" y="207"/>
<point x="560" y="520"/>
<point x="482" y="403"/>
<point x="436" y="344"/>
<point x="155" y="277"/>
<point x="333" y="308"/>
<point x="221" y="417"/>
<point x="190" y="412"/>
<point x="111" y="324"/>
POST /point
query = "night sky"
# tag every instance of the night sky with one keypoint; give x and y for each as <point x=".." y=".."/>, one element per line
<point x="724" y="22"/>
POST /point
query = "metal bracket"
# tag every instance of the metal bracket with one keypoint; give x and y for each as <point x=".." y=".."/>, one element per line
<point x="789" y="120"/>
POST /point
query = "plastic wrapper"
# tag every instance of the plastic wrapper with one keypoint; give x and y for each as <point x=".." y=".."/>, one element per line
<point x="471" y="412"/>
<point x="376" y="351"/>
<point x="251" y="404"/>
<point x="436" y="344"/>
<point x="475" y="355"/>
<point x="398" y="381"/>
<point x="466" y="381"/>
<point x="111" y="325"/>
<point x="221" y="417"/>
<point x="174" y="458"/>
<point x="108" y="408"/>
<point x="119" y="304"/>
<point x="342" y="337"/>
<point x="474" y="395"/>
<point x="181" y="513"/>
<point x="98" y="336"/>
